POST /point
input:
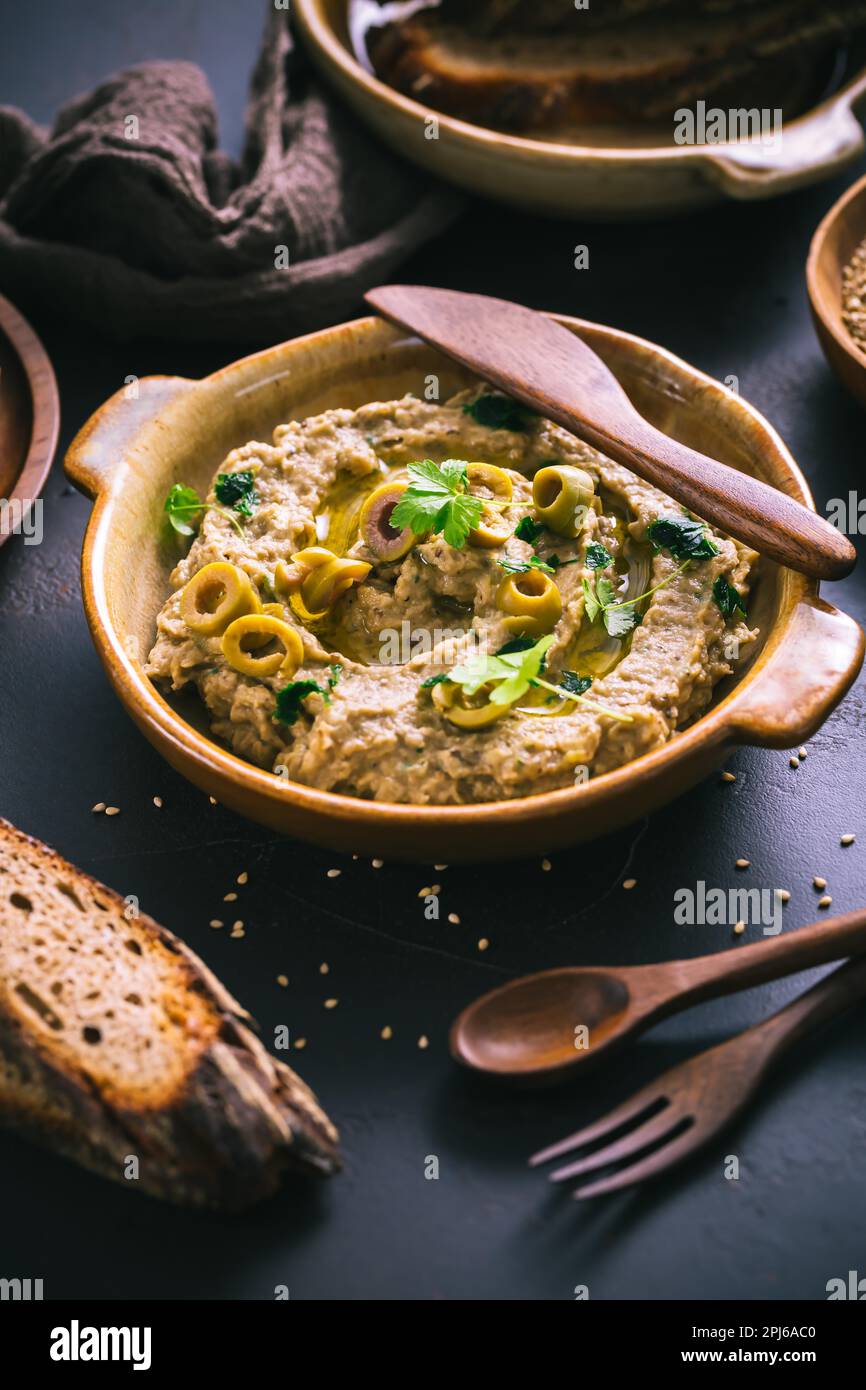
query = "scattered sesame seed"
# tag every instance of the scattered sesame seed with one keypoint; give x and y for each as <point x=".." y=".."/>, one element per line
<point x="739" y="928"/>
<point x="237" y="926"/>
<point x="331" y="1003"/>
<point x="112" y="810"/>
<point x="847" y="840"/>
<point x="243" y="878"/>
<point x="436" y="889"/>
<point x="230" y="898"/>
<point x="157" y="801"/>
<point x="213" y="801"/>
<point x="629" y="883"/>
<point x="729" y="777"/>
<point x="356" y="856"/>
<point x="793" y="762"/>
<point x="744" y="863"/>
<point x="546" y="865"/>
<point x="783" y="895"/>
<point x="803" y="752"/>
<point x="100" y="806"/>
<point x="454" y="919"/>
<point x="238" y="935"/>
<point x="483" y="944"/>
<point x="819" y="883"/>
<point x="825" y="901"/>
<point x="377" y="863"/>
<point x="324" y="968"/>
<point x="423" y="1041"/>
<point x="300" y="1044"/>
<point x="282" y="980"/>
<point x="440" y="867"/>
<point x="424" y="892"/>
<point x="334" y="873"/>
<point x="386" y="1033"/>
<point x="215" y="922"/>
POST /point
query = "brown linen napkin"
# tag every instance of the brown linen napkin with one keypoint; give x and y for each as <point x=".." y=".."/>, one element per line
<point x="127" y="215"/>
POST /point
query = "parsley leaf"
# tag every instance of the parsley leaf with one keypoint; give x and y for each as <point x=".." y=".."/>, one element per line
<point x="574" y="684"/>
<point x="499" y="412"/>
<point x="290" y="698"/>
<point x="727" y="600"/>
<point x="685" y="538"/>
<point x="517" y="644"/>
<point x="528" y="529"/>
<point x="522" y="566"/>
<point x="620" y="619"/>
<point x="237" y="490"/>
<point x="437" y="499"/>
<point x="434" y="680"/>
<point x="600" y="602"/>
<point x="182" y="503"/>
<point x="597" y="558"/>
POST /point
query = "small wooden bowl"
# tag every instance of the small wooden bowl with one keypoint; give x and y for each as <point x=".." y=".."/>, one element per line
<point x="29" y="418"/>
<point x="620" y="172"/>
<point x="171" y="430"/>
<point x="834" y="243"/>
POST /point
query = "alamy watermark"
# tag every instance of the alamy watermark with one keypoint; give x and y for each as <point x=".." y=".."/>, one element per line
<point x="22" y="516"/>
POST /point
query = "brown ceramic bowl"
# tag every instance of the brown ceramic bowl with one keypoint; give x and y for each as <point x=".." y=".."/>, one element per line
<point x="835" y="241"/>
<point x="134" y="448"/>
<point x="621" y="171"/>
<point x="29" y="418"/>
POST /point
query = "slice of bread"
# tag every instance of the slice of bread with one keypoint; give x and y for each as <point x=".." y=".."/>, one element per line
<point x="640" y="69"/>
<point x="117" y="1043"/>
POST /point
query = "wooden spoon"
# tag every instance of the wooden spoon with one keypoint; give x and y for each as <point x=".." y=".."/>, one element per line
<point x="527" y="1029"/>
<point x="548" y="368"/>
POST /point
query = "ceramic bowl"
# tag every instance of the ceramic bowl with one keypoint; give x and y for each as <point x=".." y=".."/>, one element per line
<point x="141" y="442"/>
<point x="837" y="237"/>
<point x="623" y="177"/>
<point x="29" y="419"/>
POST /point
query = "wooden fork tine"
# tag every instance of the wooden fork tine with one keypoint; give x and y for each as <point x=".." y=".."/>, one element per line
<point x="629" y="1110"/>
<point x="656" y="1127"/>
<point x="649" y="1167"/>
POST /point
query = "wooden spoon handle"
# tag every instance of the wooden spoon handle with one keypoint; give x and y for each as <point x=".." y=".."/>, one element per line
<point x="738" y="504"/>
<point x="834" y="994"/>
<point x="707" y="977"/>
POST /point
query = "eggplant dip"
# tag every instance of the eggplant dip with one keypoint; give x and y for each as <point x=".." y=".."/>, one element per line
<point x="445" y="604"/>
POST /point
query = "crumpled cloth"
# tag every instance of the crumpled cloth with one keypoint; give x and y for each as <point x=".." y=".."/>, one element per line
<point x="128" y="216"/>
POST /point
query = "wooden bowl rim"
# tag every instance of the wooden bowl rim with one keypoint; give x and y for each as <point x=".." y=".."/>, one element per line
<point x="183" y="744"/>
<point x="44" y="405"/>
<point x="831" y="319"/>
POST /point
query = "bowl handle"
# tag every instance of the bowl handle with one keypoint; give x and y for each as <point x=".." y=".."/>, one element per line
<point x="825" y="140"/>
<point x="102" y="442"/>
<point x="803" y="681"/>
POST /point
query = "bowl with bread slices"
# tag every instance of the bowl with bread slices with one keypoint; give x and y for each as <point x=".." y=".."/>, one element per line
<point x="615" y="109"/>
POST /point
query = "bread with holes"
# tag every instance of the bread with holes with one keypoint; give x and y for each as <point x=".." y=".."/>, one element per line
<point x="117" y="1043"/>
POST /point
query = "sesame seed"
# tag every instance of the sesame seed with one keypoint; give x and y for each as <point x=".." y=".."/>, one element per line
<point x="440" y="867"/>
<point x="819" y="883"/>
<point x="215" y="922"/>
<point x="825" y="901"/>
<point x="483" y="944"/>
<point x="282" y="980"/>
<point x="230" y="898"/>
<point x="546" y="865"/>
<point x="324" y="968"/>
<point x="300" y="1044"/>
<point x="243" y="878"/>
<point x="377" y="863"/>
<point x="100" y="806"/>
<point x="729" y="777"/>
<point x="386" y="1033"/>
<point x="793" y="762"/>
<point x="454" y="919"/>
<point x="424" y="892"/>
<point x="213" y="801"/>
<point x="783" y="895"/>
<point x="847" y="840"/>
<point x="331" y="1003"/>
<point x="334" y="873"/>
<point x="237" y="926"/>
<point x="157" y="801"/>
<point x="112" y="810"/>
<point x="629" y="883"/>
<point x="423" y="1042"/>
<point x="739" y="928"/>
<point x="744" y="863"/>
<point x="435" y="889"/>
<point x="803" y="752"/>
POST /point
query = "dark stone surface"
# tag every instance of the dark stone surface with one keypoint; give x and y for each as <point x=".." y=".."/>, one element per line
<point x="724" y="289"/>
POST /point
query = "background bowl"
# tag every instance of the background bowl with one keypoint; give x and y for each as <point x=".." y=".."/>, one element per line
<point x="620" y="178"/>
<point x="835" y="241"/>
<point x="165" y="430"/>
<point x="29" y="417"/>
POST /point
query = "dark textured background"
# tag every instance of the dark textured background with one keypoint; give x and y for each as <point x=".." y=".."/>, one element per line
<point x="724" y="289"/>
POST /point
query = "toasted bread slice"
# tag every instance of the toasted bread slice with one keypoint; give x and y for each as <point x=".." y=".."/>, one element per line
<point x="117" y="1043"/>
<point x="641" y="69"/>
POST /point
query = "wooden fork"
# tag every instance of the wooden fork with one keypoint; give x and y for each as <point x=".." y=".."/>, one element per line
<point x="687" y="1106"/>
